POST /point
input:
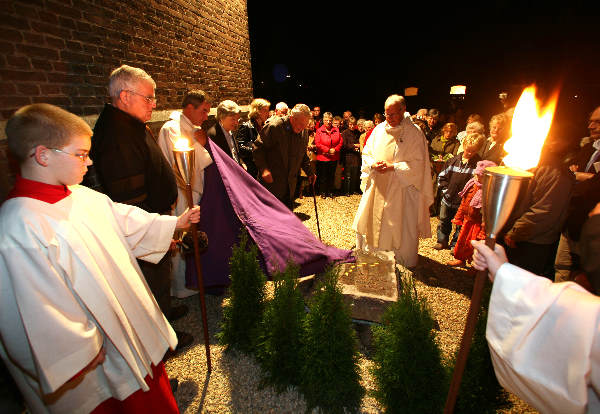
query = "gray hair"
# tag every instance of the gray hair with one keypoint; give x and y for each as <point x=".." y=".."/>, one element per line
<point x="227" y="108"/>
<point x="301" y="109"/>
<point x="126" y="78"/>
<point x="369" y="124"/>
<point x="256" y="105"/>
<point x="478" y="126"/>
<point x="281" y="106"/>
<point x="393" y="100"/>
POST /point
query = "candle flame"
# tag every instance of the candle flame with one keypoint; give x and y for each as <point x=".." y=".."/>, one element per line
<point x="530" y="126"/>
<point x="182" y="144"/>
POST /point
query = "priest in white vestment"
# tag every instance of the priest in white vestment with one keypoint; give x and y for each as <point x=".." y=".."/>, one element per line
<point x="397" y="190"/>
<point x="544" y="337"/>
<point x="186" y="124"/>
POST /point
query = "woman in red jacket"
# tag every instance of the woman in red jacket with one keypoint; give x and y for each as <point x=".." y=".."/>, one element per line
<point x="329" y="144"/>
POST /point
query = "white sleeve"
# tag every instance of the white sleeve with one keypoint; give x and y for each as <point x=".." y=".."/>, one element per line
<point x="44" y="329"/>
<point x="148" y="235"/>
<point x="542" y="338"/>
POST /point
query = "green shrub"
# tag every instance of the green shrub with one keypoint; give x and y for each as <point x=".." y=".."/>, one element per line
<point x="279" y="350"/>
<point x="243" y="314"/>
<point x="480" y="391"/>
<point x="330" y="373"/>
<point x="409" y="374"/>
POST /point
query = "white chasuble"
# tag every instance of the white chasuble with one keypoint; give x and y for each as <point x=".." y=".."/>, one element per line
<point x="394" y="209"/>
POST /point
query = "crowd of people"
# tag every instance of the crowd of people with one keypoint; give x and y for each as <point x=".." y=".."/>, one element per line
<point x="87" y="276"/>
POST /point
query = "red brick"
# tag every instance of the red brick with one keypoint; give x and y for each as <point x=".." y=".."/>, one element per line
<point x="55" y="42"/>
<point x="33" y="38"/>
<point x="54" y="100"/>
<point x="16" y="75"/>
<point x="49" y="89"/>
<point x="14" y="21"/>
<point x="28" y="89"/>
<point x="18" y="62"/>
<point x="10" y="35"/>
<point x="14" y="101"/>
<point x="48" y="17"/>
<point x="36" y="51"/>
<point x="7" y="88"/>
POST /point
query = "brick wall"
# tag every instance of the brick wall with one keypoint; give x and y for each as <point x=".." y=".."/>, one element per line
<point x="62" y="51"/>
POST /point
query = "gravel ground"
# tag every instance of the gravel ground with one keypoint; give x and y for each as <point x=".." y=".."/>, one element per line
<point x="234" y="384"/>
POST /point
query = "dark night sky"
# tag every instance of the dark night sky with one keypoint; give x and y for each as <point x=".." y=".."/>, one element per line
<point x="352" y="57"/>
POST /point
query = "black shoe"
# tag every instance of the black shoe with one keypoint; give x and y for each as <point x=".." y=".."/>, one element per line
<point x="177" y="312"/>
<point x="174" y="384"/>
<point x="184" y="339"/>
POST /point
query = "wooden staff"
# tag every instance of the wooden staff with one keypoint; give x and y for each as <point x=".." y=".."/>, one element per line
<point x="193" y="229"/>
<point x="467" y="337"/>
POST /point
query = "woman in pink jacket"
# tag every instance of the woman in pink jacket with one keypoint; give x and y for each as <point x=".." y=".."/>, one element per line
<point x="329" y="144"/>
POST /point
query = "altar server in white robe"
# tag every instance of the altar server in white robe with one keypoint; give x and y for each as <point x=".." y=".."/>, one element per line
<point x="79" y="327"/>
<point x="186" y="124"/>
<point x="544" y="337"/>
<point x="397" y="191"/>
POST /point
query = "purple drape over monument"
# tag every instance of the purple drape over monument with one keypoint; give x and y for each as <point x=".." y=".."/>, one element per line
<point x="231" y="198"/>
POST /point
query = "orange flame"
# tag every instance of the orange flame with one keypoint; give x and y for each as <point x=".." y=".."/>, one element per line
<point x="530" y="127"/>
<point x="182" y="144"/>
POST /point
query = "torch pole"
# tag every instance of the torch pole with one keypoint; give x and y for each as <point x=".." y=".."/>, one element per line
<point x="193" y="229"/>
<point x="467" y="337"/>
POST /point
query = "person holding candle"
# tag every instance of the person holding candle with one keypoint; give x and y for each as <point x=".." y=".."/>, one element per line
<point x="186" y="124"/>
<point x="79" y="327"/>
<point x="543" y="337"/>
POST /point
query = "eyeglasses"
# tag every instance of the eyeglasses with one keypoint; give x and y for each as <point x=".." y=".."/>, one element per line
<point x="149" y="99"/>
<point x="83" y="157"/>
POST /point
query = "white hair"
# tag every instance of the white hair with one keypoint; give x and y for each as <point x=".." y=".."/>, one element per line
<point x="126" y="78"/>
<point x="395" y="99"/>
<point x="281" y="106"/>
<point x="477" y="126"/>
<point x="227" y="108"/>
<point x="301" y="109"/>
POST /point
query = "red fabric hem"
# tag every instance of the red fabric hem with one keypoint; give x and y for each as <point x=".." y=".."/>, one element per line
<point x="159" y="399"/>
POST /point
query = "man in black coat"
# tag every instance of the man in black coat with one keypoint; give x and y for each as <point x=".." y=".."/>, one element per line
<point x="130" y="168"/>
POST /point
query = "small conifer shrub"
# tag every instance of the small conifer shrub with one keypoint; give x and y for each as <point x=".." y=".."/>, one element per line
<point x="480" y="391"/>
<point x="243" y="314"/>
<point x="280" y="347"/>
<point x="409" y="373"/>
<point x="330" y="373"/>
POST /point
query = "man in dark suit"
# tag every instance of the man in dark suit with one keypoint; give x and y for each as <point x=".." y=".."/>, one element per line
<point x="280" y="151"/>
<point x="589" y="153"/>
<point x="228" y="117"/>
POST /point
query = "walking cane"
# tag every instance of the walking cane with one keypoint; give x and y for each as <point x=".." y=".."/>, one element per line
<point x="316" y="211"/>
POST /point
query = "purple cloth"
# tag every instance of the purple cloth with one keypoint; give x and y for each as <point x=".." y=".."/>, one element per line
<point x="232" y="198"/>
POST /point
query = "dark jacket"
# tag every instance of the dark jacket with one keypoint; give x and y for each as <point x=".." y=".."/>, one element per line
<point x="245" y="136"/>
<point x="282" y="151"/>
<point x="128" y="163"/>
<point x="495" y="153"/>
<point x="216" y="134"/>
<point x="453" y="178"/>
<point x="352" y="157"/>
<point x="540" y="215"/>
<point x="439" y="147"/>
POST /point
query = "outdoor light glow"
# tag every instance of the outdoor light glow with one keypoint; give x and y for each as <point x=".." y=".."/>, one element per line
<point x="458" y="90"/>
<point x="530" y="126"/>
<point x="411" y="91"/>
<point x="182" y="144"/>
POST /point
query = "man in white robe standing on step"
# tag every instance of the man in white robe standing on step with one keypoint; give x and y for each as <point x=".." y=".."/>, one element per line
<point x="397" y="190"/>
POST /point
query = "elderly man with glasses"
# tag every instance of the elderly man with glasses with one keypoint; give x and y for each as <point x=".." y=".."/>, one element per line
<point x="396" y="182"/>
<point x="130" y="168"/>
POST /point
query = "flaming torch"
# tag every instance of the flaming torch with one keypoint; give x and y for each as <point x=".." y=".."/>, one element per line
<point x="184" y="162"/>
<point x="501" y="187"/>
